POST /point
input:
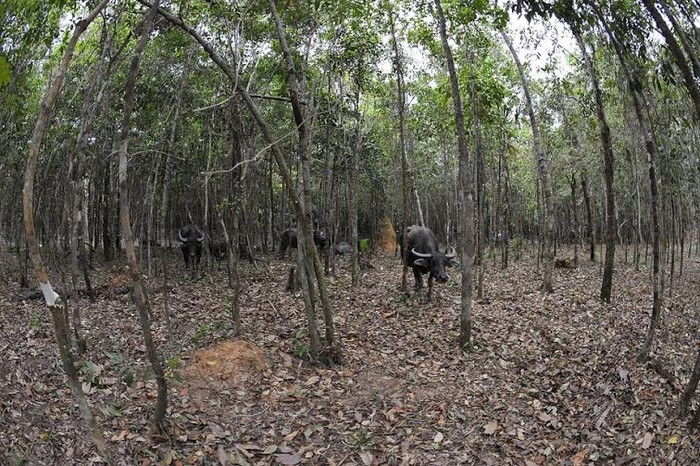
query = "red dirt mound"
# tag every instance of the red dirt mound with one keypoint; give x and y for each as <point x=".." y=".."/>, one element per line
<point x="226" y="360"/>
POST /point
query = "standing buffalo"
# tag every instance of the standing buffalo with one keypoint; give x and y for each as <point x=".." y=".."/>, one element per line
<point x="424" y="257"/>
<point x="343" y="248"/>
<point x="288" y="239"/>
<point x="191" y="238"/>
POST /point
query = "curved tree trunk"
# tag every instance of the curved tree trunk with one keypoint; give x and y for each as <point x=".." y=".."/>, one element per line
<point x="480" y="182"/>
<point x="266" y="130"/>
<point x="608" y="158"/>
<point x="642" y="112"/>
<point x="305" y="130"/>
<point x="50" y="297"/>
<point x="543" y="170"/>
<point x="466" y="229"/>
<point x="405" y="177"/>
<point x="354" y="173"/>
<point x="139" y="293"/>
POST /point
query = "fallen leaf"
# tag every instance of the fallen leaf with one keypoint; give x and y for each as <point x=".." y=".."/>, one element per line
<point x="312" y="380"/>
<point x="288" y="459"/>
<point x="672" y="440"/>
<point x="367" y="458"/>
<point x="438" y="437"/>
<point x="578" y="458"/>
<point x="270" y="449"/>
<point x="222" y="456"/>
<point x="491" y="427"/>
<point x="648" y="437"/>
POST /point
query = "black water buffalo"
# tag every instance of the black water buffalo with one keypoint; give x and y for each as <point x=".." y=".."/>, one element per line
<point x="424" y="257"/>
<point x="288" y="239"/>
<point x="191" y="238"/>
<point x="343" y="248"/>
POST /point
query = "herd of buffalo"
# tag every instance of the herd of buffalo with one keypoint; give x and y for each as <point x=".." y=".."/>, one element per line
<point x="421" y="254"/>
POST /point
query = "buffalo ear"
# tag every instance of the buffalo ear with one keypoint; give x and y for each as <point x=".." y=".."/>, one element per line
<point x="452" y="263"/>
<point x="420" y="262"/>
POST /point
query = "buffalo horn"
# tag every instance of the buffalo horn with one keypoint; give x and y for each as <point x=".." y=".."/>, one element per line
<point x="420" y="254"/>
<point x="179" y="234"/>
<point x="451" y="255"/>
<point x="201" y="236"/>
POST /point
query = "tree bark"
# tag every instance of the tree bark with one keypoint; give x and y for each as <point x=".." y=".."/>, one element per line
<point x="163" y="214"/>
<point x="50" y="297"/>
<point x="305" y="130"/>
<point x="139" y="294"/>
<point x="480" y="182"/>
<point x="466" y="230"/>
<point x="608" y="159"/>
<point x="352" y="194"/>
<point x="641" y="109"/>
<point x="543" y="169"/>
<point x="405" y="176"/>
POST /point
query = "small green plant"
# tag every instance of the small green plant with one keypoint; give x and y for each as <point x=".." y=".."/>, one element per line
<point x="517" y="243"/>
<point x="469" y="346"/>
<point x="300" y="348"/>
<point x="171" y="371"/>
<point x="365" y="439"/>
<point x="200" y="332"/>
<point x="218" y="325"/>
<point x="36" y="323"/>
<point x="92" y="373"/>
<point x="123" y="368"/>
<point x="364" y="244"/>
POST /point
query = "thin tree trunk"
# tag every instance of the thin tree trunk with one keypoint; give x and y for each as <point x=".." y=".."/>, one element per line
<point x="608" y="158"/>
<point x="642" y="111"/>
<point x="419" y="208"/>
<point x="233" y="239"/>
<point x="543" y="169"/>
<point x="139" y="295"/>
<point x="50" y="297"/>
<point x="590" y="230"/>
<point x="233" y="260"/>
<point x="405" y="176"/>
<point x="163" y="213"/>
<point x="107" y="241"/>
<point x="305" y="130"/>
<point x="352" y="194"/>
<point x="506" y="226"/>
<point x="638" y="211"/>
<point x="574" y="214"/>
<point x="466" y="231"/>
<point x="480" y="175"/>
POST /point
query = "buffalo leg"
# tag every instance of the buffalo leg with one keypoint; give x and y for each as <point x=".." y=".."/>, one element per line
<point x="419" y="280"/>
<point x="403" y="280"/>
<point x="430" y="288"/>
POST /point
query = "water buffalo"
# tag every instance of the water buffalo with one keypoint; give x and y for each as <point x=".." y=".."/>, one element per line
<point x="423" y="256"/>
<point x="288" y="239"/>
<point x="191" y="238"/>
<point x="343" y="248"/>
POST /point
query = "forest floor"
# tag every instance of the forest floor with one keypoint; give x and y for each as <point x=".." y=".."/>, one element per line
<point x="550" y="379"/>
